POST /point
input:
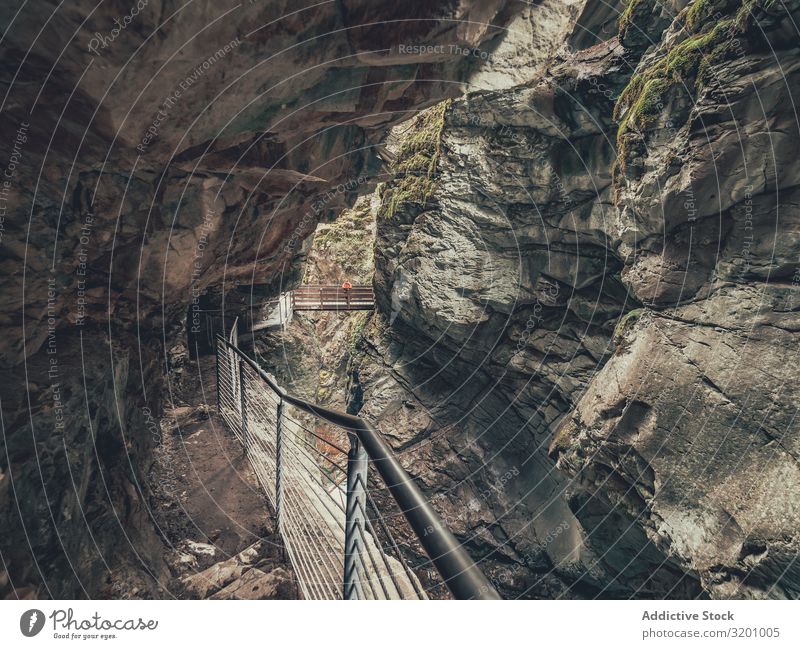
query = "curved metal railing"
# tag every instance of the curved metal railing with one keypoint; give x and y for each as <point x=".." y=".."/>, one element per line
<point x="354" y="523"/>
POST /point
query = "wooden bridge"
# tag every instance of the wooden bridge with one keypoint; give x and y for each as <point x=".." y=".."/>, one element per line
<point x="332" y="298"/>
<point x="277" y="313"/>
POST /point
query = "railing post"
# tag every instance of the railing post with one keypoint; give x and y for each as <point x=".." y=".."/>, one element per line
<point x="278" y="468"/>
<point x="355" y="513"/>
<point x="219" y="387"/>
<point x="236" y="393"/>
<point x="460" y="573"/>
<point x="243" y="402"/>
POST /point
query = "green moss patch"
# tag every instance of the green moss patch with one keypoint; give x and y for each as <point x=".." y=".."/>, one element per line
<point x="357" y="332"/>
<point x="344" y="247"/>
<point x="414" y="168"/>
<point x="625" y="322"/>
<point x="714" y="26"/>
<point x="627" y="16"/>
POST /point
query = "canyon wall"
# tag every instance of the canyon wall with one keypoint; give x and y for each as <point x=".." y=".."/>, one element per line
<point x="587" y="286"/>
<point x="690" y="428"/>
<point x="154" y="152"/>
<point x="586" y="269"/>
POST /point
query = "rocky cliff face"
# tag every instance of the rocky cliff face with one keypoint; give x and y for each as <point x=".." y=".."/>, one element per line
<point x="153" y="153"/>
<point x="587" y="268"/>
<point x="588" y="310"/>
<point x="689" y="427"/>
<point x="310" y="356"/>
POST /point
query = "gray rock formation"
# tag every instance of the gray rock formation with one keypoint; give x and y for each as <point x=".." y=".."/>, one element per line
<point x="586" y="271"/>
<point x="690" y="427"/>
<point x="178" y="151"/>
<point x="601" y="266"/>
<point x="244" y="576"/>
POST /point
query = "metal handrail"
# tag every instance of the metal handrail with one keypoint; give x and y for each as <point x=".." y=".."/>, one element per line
<point x="459" y="572"/>
<point x="233" y="336"/>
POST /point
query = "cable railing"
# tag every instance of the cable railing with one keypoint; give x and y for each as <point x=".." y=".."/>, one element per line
<point x="353" y="522"/>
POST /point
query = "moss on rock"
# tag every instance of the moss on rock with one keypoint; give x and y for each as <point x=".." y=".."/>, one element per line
<point x="626" y="322"/>
<point x="344" y="247"/>
<point x="414" y="167"/>
<point x="714" y="26"/>
<point x="627" y="15"/>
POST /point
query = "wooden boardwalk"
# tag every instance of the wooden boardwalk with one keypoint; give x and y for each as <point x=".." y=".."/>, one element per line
<point x="277" y="313"/>
<point x="332" y="298"/>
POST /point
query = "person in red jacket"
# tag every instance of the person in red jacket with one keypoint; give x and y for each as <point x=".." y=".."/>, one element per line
<point x="347" y="286"/>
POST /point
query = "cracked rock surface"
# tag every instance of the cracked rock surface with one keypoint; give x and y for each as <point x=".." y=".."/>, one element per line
<point x="587" y="329"/>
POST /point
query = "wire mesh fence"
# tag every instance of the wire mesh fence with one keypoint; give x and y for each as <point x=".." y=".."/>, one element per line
<point x="345" y="536"/>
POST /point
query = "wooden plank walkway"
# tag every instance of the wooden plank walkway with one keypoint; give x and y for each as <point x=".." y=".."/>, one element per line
<point x="333" y="298"/>
<point x="276" y="314"/>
